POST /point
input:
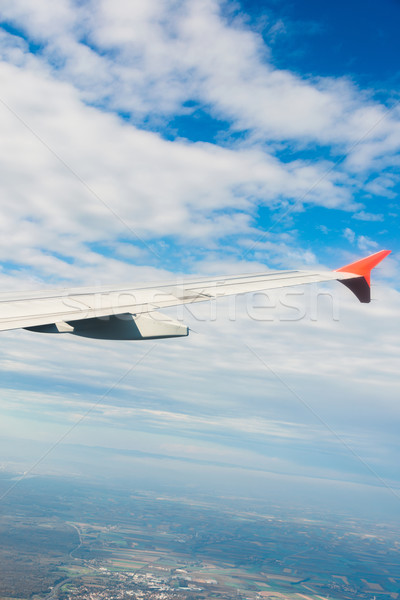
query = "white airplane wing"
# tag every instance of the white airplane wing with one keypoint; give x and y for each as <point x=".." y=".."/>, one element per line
<point x="130" y="312"/>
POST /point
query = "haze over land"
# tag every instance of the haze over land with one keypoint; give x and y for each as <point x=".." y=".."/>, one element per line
<point x="64" y="539"/>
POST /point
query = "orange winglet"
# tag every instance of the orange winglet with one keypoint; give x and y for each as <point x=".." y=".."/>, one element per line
<point x="364" y="266"/>
<point x="361" y="269"/>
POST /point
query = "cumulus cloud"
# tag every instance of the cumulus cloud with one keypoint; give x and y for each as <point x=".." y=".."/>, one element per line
<point x="64" y="165"/>
<point x="69" y="72"/>
<point x="155" y="58"/>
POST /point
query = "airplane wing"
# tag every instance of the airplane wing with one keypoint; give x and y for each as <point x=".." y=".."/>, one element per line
<point x="131" y="312"/>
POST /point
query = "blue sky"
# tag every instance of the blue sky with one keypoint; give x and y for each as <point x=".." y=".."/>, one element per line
<point x="145" y="140"/>
<point x="354" y="40"/>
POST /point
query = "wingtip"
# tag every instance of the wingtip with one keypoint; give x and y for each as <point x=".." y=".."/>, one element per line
<point x="361" y="269"/>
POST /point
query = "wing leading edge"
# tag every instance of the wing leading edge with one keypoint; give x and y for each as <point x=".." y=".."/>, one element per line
<point x="129" y="312"/>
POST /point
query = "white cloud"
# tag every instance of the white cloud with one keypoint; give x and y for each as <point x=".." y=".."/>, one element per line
<point x="154" y="57"/>
<point x="363" y="242"/>
<point x="383" y="185"/>
<point x="349" y="235"/>
<point x="149" y="61"/>
<point x="366" y="244"/>
<point x="366" y="216"/>
<point x="61" y="161"/>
